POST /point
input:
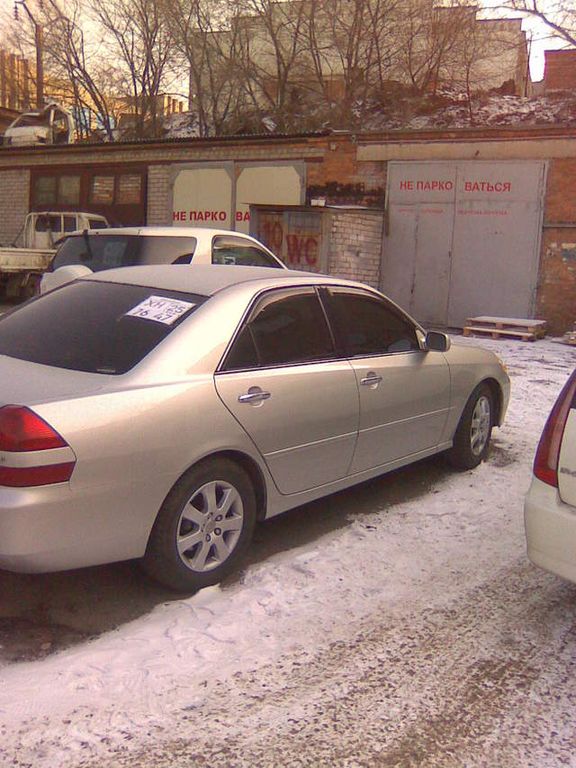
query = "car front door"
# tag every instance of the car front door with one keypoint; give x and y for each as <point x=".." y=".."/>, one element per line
<point x="282" y="381"/>
<point x="404" y="390"/>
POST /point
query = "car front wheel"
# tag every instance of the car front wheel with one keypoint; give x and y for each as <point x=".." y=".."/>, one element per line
<point x="472" y="437"/>
<point x="203" y="527"/>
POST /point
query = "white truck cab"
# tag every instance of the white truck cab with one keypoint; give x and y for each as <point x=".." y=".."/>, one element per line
<point x="42" y="229"/>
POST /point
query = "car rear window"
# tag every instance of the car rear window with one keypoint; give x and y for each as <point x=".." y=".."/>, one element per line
<point x="94" y="327"/>
<point x="108" y="251"/>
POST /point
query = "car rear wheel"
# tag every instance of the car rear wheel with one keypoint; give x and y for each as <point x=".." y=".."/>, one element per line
<point x="472" y="437"/>
<point x="203" y="527"/>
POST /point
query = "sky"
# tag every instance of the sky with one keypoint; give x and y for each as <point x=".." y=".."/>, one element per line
<point x="539" y="37"/>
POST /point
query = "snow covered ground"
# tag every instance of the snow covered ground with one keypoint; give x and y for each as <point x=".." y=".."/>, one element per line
<point x="414" y="633"/>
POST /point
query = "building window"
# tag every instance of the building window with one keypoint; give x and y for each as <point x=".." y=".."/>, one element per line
<point x="56" y="190"/>
<point x="69" y="190"/>
<point x="102" y="191"/>
<point x="45" y="190"/>
<point x="129" y="188"/>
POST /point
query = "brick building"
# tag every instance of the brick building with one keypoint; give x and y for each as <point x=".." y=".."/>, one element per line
<point x="17" y="86"/>
<point x="449" y="223"/>
<point x="560" y="70"/>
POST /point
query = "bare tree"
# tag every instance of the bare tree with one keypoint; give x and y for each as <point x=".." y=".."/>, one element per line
<point x="79" y="68"/>
<point x="351" y="45"/>
<point x="207" y="44"/>
<point x="139" y="42"/>
<point x="270" y="51"/>
<point x="76" y="71"/>
<point x="559" y="16"/>
<point x="432" y="40"/>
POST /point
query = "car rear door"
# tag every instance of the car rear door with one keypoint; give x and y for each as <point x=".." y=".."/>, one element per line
<point x="297" y="401"/>
<point x="404" y="391"/>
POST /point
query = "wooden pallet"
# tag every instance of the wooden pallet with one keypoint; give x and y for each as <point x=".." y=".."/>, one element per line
<point x="505" y="327"/>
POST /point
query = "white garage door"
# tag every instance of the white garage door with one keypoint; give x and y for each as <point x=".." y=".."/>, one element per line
<point x="463" y="238"/>
<point x="220" y="195"/>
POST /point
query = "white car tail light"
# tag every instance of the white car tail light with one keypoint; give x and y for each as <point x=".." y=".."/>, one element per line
<point x="548" y="452"/>
<point x="22" y="434"/>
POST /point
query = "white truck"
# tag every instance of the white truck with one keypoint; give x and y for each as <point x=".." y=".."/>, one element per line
<point x="24" y="261"/>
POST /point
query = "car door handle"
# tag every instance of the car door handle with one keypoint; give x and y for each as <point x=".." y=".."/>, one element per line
<point x="371" y="380"/>
<point x="254" y="396"/>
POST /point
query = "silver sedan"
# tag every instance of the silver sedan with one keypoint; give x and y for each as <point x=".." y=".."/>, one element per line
<point x="159" y="412"/>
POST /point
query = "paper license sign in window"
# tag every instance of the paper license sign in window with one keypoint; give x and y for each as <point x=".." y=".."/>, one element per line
<point x="160" y="309"/>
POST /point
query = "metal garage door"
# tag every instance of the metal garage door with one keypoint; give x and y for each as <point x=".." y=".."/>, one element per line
<point x="463" y="238"/>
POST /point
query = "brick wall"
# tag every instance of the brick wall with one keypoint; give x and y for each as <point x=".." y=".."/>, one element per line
<point x="556" y="294"/>
<point x="342" y="180"/>
<point x="159" y="192"/>
<point x="560" y="70"/>
<point x="355" y="245"/>
<point x="14" y="198"/>
<point x="560" y="202"/>
<point x="556" y="297"/>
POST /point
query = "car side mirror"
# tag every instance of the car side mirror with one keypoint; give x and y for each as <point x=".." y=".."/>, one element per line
<point x="437" y="342"/>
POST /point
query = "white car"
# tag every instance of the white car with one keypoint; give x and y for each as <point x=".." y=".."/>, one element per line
<point x="550" y="507"/>
<point x="83" y="252"/>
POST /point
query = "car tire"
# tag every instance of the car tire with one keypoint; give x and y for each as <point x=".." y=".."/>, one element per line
<point x="203" y="527"/>
<point x="472" y="437"/>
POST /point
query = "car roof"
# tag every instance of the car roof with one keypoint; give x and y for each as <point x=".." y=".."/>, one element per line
<point x="208" y="279"/>
<point x="160" y="232"/>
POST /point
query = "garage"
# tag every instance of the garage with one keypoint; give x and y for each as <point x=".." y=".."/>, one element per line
<point x="462" y="238"/>
<point x="220" y="194"/>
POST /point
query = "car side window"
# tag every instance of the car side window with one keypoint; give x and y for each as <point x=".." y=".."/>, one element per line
<point x="162" y="249"/>
<point x="69" y="224"/>
<point x="367" y="325"/>
<point x="46" y="223"/>
<point x="235" y="250"/>
<point x="186" y="259"/>
<point x="285" y="328"/>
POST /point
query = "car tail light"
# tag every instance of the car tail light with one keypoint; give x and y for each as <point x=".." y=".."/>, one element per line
<point x="23" y="432"/>
<point x="548" y="451"/>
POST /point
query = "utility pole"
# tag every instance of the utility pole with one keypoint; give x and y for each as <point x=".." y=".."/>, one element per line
<point x="39" y="43"/>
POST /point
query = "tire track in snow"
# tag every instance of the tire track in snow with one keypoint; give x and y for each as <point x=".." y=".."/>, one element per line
<point x="483" y="681"/>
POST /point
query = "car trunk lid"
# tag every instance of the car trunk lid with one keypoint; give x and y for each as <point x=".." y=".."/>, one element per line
<point x="26" y="383"/>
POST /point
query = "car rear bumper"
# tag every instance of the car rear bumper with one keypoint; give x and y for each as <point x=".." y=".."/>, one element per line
<point x="550" y="530"/>
<point x="51" y="528"/>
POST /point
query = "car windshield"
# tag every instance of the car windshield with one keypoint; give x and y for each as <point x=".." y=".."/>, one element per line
<point x="29" y="120"/>
<point x="94" y="327"/>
